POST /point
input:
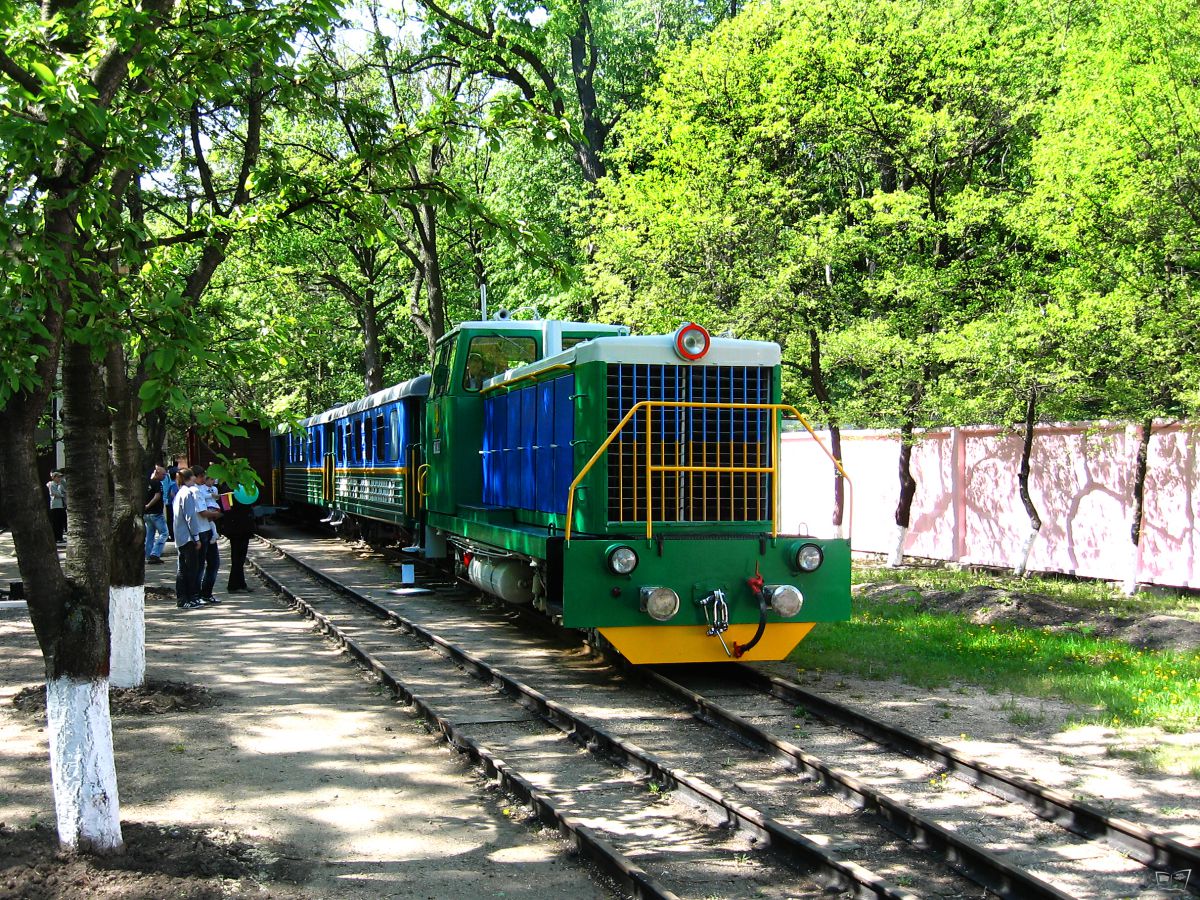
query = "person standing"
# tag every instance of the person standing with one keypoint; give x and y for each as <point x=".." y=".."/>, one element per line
<point x="208" y="507"/>
<point x="238" y="526"/>
<point x="187" y="541"/>
<point x="170" y="489"/>
<point x="155" y="517"/>
<point x="57" y="489"/>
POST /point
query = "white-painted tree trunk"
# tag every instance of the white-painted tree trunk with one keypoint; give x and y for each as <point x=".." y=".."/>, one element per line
<point x="1130" y="587"/>
<point x="1026" y="548"/>
<point x="127" y="624"/>
<point x="82" y="768"/>
<point x="896" y="557"/>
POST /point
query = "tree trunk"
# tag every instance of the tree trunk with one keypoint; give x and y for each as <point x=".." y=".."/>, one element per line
<point x="127" y="590"/>
<point x="839" y="483"/>
<point x="1139" y="504"/>
<point x="431" y="267"/>
<point x="76" y="643"/>
<point x="1035" y="521"/>
<point x="372" y="368"/>
<point x="820" y="389"/>
<point x="155" y="425"/>
<point x="25" y="506"/>
<point x="908" y="490"/>
<point x="583" y="69"/>
<point x="478" y="270"/>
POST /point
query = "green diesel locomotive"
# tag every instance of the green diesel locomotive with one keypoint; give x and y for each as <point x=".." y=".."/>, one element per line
<point x="626" y="485"/>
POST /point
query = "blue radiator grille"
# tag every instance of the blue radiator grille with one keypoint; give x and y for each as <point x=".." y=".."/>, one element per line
<point x="527" y="453"/>
<point x="690" y="437"/>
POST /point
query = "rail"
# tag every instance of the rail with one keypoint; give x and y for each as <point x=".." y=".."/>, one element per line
<point x="651" y="468"/>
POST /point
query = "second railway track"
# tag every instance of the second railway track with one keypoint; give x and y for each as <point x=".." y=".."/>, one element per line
<point x="759" y="815"/>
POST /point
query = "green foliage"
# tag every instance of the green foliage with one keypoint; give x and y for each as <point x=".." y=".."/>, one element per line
<point x="73" y="152"/>
<point x="845" y="171"/>
<point x="955" y="204"/>
<point x="1116" y="193"/>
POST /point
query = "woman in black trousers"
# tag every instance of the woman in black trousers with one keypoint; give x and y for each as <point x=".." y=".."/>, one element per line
<point x="238" y="525"/>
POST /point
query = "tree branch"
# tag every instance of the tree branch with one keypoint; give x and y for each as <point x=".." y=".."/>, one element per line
<point x="19" y="75"/>
<point x="206" y="179"/>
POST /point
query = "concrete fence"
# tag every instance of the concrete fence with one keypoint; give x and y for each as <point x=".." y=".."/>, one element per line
<point x="967" y="508"/>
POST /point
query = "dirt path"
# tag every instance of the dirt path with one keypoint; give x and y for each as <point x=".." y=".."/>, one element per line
<point x="302" y="770"/>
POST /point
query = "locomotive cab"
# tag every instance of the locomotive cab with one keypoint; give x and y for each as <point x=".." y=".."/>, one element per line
<point x="468" y="364"/>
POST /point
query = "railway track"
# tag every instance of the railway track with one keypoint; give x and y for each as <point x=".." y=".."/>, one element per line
<point x="675" y="793"/>
<point x="1149" y="848"/>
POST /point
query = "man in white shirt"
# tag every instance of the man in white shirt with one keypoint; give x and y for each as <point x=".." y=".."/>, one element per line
<point x="208" y="507"/>
<point x="186" y="525"/>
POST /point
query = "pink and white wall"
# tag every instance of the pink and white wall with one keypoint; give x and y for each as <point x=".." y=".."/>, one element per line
<point x="967" y="508"/>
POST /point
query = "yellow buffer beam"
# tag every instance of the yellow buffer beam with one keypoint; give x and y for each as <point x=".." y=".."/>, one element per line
<point x="644" y="644"/>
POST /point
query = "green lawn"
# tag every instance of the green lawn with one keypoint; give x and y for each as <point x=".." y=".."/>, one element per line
<point x="1080" y="593"/>
<point x="1114" y="683"/>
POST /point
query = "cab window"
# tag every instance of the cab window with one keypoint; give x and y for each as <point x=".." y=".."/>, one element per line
<point x="491" y="354"/>
<point x="441" y="368"/>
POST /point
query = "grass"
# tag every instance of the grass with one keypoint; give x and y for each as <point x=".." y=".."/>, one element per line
<point x="1125" y="687"/>
<point x="1183" y="761"/>
<point x="1082" y="593"/>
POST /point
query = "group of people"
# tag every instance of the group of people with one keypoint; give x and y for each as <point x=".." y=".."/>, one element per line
<point x="193" y="500"/>
<point x="185" y="508"/>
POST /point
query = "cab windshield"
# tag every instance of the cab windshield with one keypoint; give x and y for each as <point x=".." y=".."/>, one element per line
<point x="491" y="354"/>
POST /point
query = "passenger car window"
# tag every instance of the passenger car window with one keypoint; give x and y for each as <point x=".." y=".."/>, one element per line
<point x="394" y="432"/>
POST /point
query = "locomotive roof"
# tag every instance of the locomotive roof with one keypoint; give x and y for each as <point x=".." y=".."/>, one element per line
<point x="533" y="325"/>
<point x="414" y="387"/>
<point x="655" y="349"/>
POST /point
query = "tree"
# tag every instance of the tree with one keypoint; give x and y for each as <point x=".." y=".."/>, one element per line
<point x="1018" y="366"/>
<point x="851" y="166"/>
<point x="1117" y="196"/>
<point x="90" y="92"/>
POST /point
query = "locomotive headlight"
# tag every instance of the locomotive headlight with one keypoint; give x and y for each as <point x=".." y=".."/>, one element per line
<point x="622" y="560"/>
<point x="809" y="557"/>
<point x="660" y="603"/>
<point x="785" y="599"/>
<point x="692" y="341"/>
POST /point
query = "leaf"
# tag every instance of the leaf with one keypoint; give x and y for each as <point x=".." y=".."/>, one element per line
<point x="44" y="72"/>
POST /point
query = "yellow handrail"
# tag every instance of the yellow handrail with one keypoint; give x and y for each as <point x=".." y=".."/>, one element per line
<point x="422" y="476"/>
<point x="514" y="380"/>
<point x="773" y="469"/>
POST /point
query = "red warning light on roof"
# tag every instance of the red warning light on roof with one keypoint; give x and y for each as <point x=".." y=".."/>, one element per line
<point x="692" y="341"/>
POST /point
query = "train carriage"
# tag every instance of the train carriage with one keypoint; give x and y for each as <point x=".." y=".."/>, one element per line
<point x="358" y="459"/>
<point x="622" y="484"/>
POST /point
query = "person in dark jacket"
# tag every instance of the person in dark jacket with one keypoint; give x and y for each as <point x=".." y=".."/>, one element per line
<point x="155" y="516"/>
<point x="238" y="526"/>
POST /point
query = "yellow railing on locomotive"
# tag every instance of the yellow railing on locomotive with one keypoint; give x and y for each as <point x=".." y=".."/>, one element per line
<point x="650" y="468"/>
